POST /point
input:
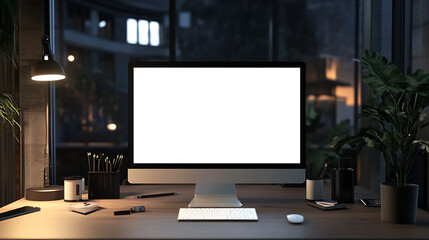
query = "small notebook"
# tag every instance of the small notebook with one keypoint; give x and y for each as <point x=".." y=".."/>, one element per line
<point x="84" y="207"/>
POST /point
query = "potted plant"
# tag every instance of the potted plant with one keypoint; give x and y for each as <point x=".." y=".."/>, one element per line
<point x="397" y="114"/>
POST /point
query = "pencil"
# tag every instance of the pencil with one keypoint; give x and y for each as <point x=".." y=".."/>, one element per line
<point x="89" y="161"/>
<point x="93" y="162"/>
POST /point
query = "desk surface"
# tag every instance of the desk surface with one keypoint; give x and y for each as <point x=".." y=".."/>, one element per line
<point x="272" y="203"/>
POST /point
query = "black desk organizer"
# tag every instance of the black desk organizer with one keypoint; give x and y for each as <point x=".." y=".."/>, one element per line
<point x="342" y="182"/>
<point x="104" y="185"/>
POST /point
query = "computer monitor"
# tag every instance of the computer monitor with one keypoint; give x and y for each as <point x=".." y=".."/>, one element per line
<point x="215" y="125"/>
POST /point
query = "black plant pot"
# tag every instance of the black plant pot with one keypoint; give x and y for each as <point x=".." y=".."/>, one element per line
<point x="399" y="204"/>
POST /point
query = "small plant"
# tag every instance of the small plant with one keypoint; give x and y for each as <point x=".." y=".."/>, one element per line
<point x="397" y="111"/>
<point x="9" y="112"/>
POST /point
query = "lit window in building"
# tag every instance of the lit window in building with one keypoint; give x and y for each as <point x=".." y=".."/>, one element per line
<point x="154" y="33"/>
<point x="131" y="31"/>
<point x="143" y="32"/>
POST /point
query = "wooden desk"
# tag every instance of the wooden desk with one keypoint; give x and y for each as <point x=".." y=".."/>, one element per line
<point x="272" y="203"/>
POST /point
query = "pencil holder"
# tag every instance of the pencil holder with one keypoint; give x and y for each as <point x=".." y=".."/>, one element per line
<point x="103" y="185"/>
<point x="314" y="189"/>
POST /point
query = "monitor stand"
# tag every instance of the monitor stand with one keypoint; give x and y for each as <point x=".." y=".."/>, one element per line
<point x="215" y="195"/>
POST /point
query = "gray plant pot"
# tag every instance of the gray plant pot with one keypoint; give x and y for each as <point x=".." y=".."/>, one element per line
<point x="399" y="204"/>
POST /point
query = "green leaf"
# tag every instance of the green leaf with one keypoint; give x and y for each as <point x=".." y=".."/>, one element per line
<point x="339" y="129"/>
<point x="423" y="144"/>
<point x="369" y="142"/>
<point x="417" y="79"/>
<point x="383" y="76"/>
<point x="8" y="112"/>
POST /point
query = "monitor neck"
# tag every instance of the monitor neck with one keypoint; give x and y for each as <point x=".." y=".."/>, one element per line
<point x="215" y="195"/>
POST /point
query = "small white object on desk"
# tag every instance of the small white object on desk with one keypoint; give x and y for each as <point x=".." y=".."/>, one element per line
<point x="84" y="207"/>
<point x="73" y="188"/>
<point x="295" y="218"/>
<point x="326" y="203"/>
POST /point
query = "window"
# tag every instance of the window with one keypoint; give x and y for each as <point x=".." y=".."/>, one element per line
<point x="95" y="41"/>
<point x="322" y="33"/>
<point x="154" y="33"/>
<point x="131" y="31"/>
<point x="143" y="31"/>
<point x="223" y="30"/>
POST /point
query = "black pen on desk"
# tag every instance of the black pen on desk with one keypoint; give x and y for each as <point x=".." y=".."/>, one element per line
<point x="89" y="160"/>
<point x="93" y="162"/>
<point x="158" y="195"/>
<point x="98" y="164"/>
<point x="325" y="167"/>
<point x="115" y="161"/>
<point x="120" y="162"/>
<point x="98" y="158"/>
<point x="105" y="161"/>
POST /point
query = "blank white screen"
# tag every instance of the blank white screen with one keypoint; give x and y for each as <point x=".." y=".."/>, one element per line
<point x="216" y="115"/>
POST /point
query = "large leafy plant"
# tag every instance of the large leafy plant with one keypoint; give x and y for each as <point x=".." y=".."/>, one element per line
<point x="397" y="111"/>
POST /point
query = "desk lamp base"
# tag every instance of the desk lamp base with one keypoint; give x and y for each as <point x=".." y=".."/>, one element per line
<point x="48" y="193"/>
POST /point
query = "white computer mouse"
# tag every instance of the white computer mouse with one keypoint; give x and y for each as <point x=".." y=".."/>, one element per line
<point x="295" y="218"/>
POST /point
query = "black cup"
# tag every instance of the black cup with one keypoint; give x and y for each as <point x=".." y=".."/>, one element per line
<point x="104" y="185"/>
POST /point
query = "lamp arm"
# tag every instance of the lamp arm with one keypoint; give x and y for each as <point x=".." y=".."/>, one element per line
<point x="46" y="51"/>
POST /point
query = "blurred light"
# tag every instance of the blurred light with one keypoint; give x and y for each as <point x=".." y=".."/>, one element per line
<point x="326" y="98"/>
<point x="102" y="24"/>
<point x="331" y="69"/>
<point x="143" y="32"/>
<point x="154" y="33"/>
<point x="111" y="127"/>
<point x="71" y="58"/>
<point x="131" y="31"/>
<point x="311" y="98"/>
<point x="185" y="20"/>
<point x="346" y="92"/>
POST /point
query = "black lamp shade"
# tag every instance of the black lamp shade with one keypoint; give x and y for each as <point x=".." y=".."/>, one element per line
<point x="47" y="70"/>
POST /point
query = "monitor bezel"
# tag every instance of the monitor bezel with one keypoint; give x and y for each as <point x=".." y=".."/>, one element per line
<point x="131" y="164"/>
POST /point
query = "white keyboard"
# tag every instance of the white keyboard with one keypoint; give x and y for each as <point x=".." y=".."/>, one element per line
<point x="217" y="214"/>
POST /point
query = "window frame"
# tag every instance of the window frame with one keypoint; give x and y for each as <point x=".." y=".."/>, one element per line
<point x="272" y="48"/>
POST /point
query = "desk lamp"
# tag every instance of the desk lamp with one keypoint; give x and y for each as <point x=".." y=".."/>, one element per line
<point x="46" y="70"/>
